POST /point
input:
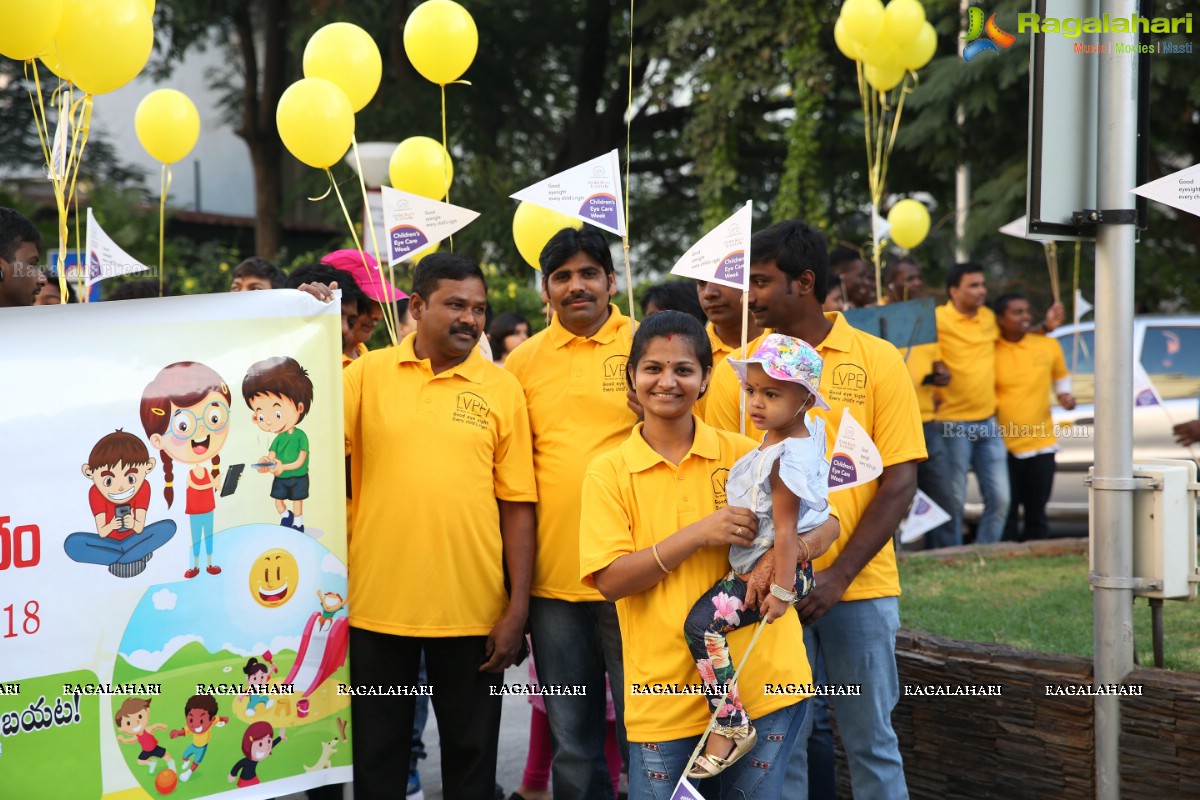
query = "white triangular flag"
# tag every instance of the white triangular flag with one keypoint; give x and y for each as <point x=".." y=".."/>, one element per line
<point x="57" y="168"/>
<point x="1018" y="227"/>
<point x="855" y="458"/>
<point x="685" y="791"/>
<point x="104" y="258"/>
<point x="923" y="516"/>
<point x="590" y="192"/>
<point x="414" y="223"/>
<point x="1081" y="306"/>
<point x="880" y="226"/>
<point x="1144" y="392"/>
<point x="722" y="254"/>
<point x="1179" y="190"/>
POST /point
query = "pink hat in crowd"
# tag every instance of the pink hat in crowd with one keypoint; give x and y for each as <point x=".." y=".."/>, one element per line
<point x="368" y="277"/>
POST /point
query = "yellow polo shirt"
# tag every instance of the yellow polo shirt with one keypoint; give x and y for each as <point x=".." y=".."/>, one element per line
<point x="632" y="498"/>
<point x="969" y="351"/>
<point x="575" y="391"/>
<point x="430" y="455"/>
<point x="866" y="375"/>
<point x="1025" y="375"/>
<point x="919" y="360"/>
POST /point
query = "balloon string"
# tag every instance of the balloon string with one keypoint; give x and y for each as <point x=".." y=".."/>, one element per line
<point x="390" y="306"/>
<point x="446" y="155"/>
<point x="713" y="719"/>
<point x="81" y="271"/>
<point x="628" y="151"/>
<point x="43" y="130"/>
<point x="357" y="244"/>
<point x="164" y="189"/>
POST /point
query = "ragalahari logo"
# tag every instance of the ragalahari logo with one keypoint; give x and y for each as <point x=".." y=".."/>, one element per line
<point x="993" y="38"/>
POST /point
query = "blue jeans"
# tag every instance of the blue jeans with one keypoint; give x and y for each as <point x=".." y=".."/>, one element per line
<point x="657" y="766"/>
<point x="822" y="761"/>
<point x="934" y="479"/>
<point x="576" y="643"/>
<point x="92" y="548"/>
<point x="978" y="445"/>
<point x="857" y="640"/>
<point x="202" y="528"/>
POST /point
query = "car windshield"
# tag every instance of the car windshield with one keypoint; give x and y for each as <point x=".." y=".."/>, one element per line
<point x="1077" y="352"/>
<point x="1171" y="357"/>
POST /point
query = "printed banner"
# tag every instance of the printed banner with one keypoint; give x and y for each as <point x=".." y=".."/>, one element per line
<point x="685" y="791"/>
<point x="104" y="257"/>
<point x="415" y="224"/>
<point x="173" y="551"/>
<point x="722" y="255"/>
<point x="923" y="516"/>
<point x="1178" y="190"/>
<point x="590" y="192"/>
<point x="855" y="458"/>
<point x="1144" y="391"/>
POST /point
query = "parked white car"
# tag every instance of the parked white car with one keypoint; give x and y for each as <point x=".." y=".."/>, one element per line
<point x="1168" y="348"/>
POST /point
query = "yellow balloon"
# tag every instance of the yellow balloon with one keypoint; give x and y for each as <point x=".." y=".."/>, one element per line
<point x="909" y="221"/>
<point x="863" y="20"/>
<point x="150" y="7"/>
<point x="884" y="77"/>
<point x="441" y="39"/>
<point x="315" y="122"/>
<point x="920" y="50"/>
<point x="421" y="165"/>
<point x="848" y="47"/>
<point x="904" y="19"/>
<point x="345" y="54"/>
<point x="883" y="50"/>
<point x="532" y="228"/>
<point x="52" y="61"/>
<point x="104" y="46"/>
<point x="28" y="28"/>
<point x="167" y="124"/>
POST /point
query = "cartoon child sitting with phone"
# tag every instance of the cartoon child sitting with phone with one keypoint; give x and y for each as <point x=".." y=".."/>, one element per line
<point x="119" y="498"/>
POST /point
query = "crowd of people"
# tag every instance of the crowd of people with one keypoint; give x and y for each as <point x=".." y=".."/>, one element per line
<point x="593" y="497"/>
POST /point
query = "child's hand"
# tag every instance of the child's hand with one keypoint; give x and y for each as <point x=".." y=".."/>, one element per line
<point x="177" y="734"/>
<point x="773" y="608"/>
<point x="263" y="465"/>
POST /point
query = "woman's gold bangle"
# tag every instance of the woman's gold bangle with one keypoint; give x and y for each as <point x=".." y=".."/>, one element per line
<point x="658" y="558"/>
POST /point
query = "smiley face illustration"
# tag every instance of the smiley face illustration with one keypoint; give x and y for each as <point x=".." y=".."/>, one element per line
<point x="273" y="578"/>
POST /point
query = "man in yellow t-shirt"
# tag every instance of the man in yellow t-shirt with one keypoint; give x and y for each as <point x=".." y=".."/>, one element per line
<point x="902" y="279"/>
<point x="573" y="376"/>
<point x="1029" y="368"/>
<point x="967" y="333"/>
<point x="723" y="307"/>
<point x="442" y="473"/>
<point x="852" y="615"/>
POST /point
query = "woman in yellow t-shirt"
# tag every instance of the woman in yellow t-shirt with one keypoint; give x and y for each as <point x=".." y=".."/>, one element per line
<point x="655" y="533"/>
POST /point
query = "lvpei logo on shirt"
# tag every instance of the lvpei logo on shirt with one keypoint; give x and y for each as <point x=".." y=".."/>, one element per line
<point x="719" y="477"/>
<point x="614" y="374"/>
<point x="471" y="409"/>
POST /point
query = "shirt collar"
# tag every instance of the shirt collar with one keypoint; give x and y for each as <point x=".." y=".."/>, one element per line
<point x="841" y="335"/>
<point x="472" y="368"/>
<point x="560" y="336"/>
<point x="960" y="316"/>
<point x="718" y="346"/>
<point x="640" y="456"/>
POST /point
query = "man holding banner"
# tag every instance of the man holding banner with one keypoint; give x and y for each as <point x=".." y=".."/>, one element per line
<point x="20" y="278"/>
<point x="442" y="476"/>
<point x="851" y="618"/>
<point x="573" y="374"/>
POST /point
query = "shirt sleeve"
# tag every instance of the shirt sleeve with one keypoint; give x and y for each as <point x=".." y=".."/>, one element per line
<point x="1058" y="369"/>
<point x="805" y="472"/>
<point x="605" y="524"/>
<point x="140" y="500"/>
<point x="512" y="466"/>
<point x="721" y="404"/>
<point x="896" y="429"/>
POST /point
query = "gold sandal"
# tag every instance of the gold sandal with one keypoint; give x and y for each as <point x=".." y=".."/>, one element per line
<point x="744" y="738"/>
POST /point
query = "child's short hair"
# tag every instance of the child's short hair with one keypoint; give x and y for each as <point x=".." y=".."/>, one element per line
<point x="281" y="376"/>
<point x="201" y="702"/>
<point x="256" y="731"/>
<point x="118" y="446"/>
<point x="256" y="267"/>
<point x="131" y="706"/>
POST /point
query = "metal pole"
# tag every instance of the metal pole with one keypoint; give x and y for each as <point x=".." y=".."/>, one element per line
<point x="1113" y="522"/>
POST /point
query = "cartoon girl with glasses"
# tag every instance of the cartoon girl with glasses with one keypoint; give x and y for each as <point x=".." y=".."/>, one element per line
<point x="185" y="411"/>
